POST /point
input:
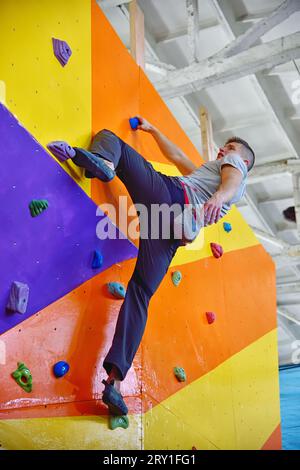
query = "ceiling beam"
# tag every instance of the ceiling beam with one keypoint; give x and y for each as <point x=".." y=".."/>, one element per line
<point x="183" y="32"/>
<point x="270" y="170"/>
<point x="288" y="303"/>
<point x="284" y="313"/>
<point x="251" y="121"/>
<point x="212" y="72"/>
<point x="287" y="201"/>
<point x="261" y="215"/>
<point x="226" y="17"/>
<point x="255" y="32"/>
<point x="111" y="3"/>
<point x="153" y="57"/>
<point x="252" y="17"/>
<point x="209" y="24"/>
<point x="288" y="288"/>
<point x="137" y="33"/>
<point x="193" y="29"/>
<point x="206" y="135"/>
<point x="272" y="239"/>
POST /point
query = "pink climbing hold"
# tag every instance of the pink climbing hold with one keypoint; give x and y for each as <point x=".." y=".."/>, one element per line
<point x="216" y="249"/>
<point x="62" y="51"/>
<point x="210" y="317"/>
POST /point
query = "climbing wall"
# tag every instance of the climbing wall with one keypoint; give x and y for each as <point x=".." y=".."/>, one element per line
<point x="230" y="399"/>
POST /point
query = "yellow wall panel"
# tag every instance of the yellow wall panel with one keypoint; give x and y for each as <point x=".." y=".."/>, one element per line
<point x="70" y="433"/>
<point x="51" y="101"/>
<point x="235" y="406"/>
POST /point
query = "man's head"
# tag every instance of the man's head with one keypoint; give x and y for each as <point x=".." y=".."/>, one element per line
<point x="236" y="144"/>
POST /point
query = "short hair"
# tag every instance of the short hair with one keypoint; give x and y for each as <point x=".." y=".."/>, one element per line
<point x="249" y="150"/>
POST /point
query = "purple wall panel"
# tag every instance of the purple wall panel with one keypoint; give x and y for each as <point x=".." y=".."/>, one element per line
<point x="53" y="252"/>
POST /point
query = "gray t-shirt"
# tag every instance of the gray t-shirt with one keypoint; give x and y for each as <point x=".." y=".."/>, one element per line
<point x="204" y="182"/>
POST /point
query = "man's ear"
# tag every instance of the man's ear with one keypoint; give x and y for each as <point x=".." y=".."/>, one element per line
<point x="247" y="162"/>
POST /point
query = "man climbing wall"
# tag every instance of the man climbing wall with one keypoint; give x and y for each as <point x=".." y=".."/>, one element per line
<point x="207" y="191"/>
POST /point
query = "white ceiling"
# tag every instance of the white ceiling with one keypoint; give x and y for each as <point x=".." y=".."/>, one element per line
<point x="259" y="108"/>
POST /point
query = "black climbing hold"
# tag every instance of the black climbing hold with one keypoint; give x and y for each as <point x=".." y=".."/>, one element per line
<point x="290" y="214"/>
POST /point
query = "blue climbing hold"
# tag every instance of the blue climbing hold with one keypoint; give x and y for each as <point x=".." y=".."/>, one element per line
<point x="97" y="260"/>
<point x="61" y="368"/>
<point x="227" y="227"/>
<point x="117" y="289"/>
<point x="176" y="278"/>
<point x="134" y="122"/>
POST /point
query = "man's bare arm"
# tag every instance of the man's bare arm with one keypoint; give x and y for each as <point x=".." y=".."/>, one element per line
<point x="173" y="153"/>
<point x="231" y="179"/>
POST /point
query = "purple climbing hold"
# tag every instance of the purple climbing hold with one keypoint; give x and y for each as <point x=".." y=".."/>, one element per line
<point x="18" y="297"/>
<point x="117" y="289"/>
<point x="97" y="260"/>
<point x="134" y="122"/>
<point x="62" y="51"/>
<point x="61" y="150"/>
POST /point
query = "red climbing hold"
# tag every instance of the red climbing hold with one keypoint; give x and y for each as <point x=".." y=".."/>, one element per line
<point x="210" y="317"/>
<point x="216" y="249"/>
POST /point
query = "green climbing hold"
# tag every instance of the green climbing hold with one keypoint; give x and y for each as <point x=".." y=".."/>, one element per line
<point x="37" y="206"/>
<point x="176" y="278"/>
<point x="118" y="422"/>
<point x="179" y="374"/>
<point x="23" y="377"/>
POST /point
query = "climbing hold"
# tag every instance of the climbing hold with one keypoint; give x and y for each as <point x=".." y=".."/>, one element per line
<point x="216" y="249"/>
<point x="61" y="368"/>
<point x="179" y="374"/>
<point x="18" y="297"/>
<point x="210" y="317"/>
<point x="118" y="422"/>
<point x="23" y="377"/>
<point x="117" y="289"/>
<point x="97" y="260"/>
<point x="37" y="206"/>
<point x="62" y="51"/>
<point x="227" y="226"/>
<point x="134" y="122"/>
<point x="290" y="214"/>
<point x="176" y="278"/>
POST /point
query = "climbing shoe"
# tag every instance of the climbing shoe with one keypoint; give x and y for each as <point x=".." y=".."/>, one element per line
<point x="114" y="400"/>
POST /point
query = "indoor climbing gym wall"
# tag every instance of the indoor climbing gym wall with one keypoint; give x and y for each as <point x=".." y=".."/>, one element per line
<point x="206" y="373"/>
